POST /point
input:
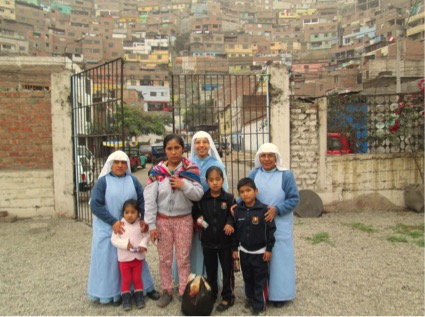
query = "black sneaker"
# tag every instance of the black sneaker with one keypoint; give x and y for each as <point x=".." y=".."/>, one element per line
<point x="154" y="295"/>
<point x="224" y="305"/>
<point x="258" y="312"/>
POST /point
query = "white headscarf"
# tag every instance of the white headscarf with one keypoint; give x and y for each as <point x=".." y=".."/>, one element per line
<point x="269" y="148"/>
<point x="211" y="152"/>
<point x="116" y="156"/>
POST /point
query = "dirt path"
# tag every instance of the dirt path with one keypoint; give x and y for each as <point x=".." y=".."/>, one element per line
<point x="346" y="265"/>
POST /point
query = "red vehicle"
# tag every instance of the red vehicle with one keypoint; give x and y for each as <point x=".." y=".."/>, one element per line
<point x="338" y="144"/>
<point x="136" y="158"/>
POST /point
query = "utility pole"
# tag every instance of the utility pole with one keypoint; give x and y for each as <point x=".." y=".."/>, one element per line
<point x="397" y="66"/>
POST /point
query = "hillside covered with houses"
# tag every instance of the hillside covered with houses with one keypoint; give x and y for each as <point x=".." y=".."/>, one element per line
<point x="362" y="46"/>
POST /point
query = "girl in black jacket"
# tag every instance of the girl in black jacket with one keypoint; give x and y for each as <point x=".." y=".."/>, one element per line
<point x="212" y="213"/>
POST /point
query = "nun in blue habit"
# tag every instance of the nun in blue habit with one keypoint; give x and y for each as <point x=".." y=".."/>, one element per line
<point x="277" y="189"/>
<point x="114" y="186"/>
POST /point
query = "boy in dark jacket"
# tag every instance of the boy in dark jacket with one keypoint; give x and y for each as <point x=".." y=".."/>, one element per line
<point x="212" y="214"/>
<point x="255" y="238"/>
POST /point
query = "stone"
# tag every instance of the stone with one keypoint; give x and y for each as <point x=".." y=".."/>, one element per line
<point x="39" y="227"/>
<point x="6" y="217"/>
<point x="310" y="205"/>
<point x="414" y="197"/>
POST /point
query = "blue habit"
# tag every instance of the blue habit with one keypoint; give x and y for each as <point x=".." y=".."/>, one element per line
<point x="278" y="188"/>
<point x="108" y="197"/>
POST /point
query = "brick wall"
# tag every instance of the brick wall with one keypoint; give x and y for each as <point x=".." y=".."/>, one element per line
<point x="26" y="130"/>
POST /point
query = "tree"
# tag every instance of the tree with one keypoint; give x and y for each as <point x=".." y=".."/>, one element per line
<point x="182" y="42"/>
<point x="137" y="122"/>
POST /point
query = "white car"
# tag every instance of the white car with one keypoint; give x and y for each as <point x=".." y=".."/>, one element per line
<point x="85" y="173"/>
<point x="85" y="168"/>
<point x="84" y="151"/>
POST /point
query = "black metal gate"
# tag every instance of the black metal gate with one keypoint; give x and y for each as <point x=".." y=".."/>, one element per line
<point x="97" y="114"/>
<point x="234" y="109"/>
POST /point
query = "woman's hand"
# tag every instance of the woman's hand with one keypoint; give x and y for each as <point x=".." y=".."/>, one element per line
<point x="154" y="235"/>
<point x="232" y="210"/>
<point x="267" y="256"/>
<point x="118" y="227"/>
<point x="228" y="230"/>
<point x="143" y="226"/>
<point x="270" y="214"/>
<point x="176" y="182"/>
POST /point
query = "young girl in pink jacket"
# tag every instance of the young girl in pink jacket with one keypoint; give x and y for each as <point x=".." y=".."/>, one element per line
<point x="131" y="245"/>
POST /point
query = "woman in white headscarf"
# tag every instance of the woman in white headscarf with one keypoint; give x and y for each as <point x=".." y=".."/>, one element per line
<point x="114" y="186"/>
<point x="277" y="189"/>
<point x="204" y="154"/>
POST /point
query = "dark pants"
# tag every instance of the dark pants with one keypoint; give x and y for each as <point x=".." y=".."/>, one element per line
<point x="255" y="275"/>
<point x="211" y="257"/>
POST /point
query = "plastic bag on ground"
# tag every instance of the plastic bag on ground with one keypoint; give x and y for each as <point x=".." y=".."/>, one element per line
<point x="197" y="297"/>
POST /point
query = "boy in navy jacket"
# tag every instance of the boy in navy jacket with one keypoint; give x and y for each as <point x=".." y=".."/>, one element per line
<point x="255" y="238"/>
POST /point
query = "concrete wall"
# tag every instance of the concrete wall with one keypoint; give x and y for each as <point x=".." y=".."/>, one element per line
<point x="351" y="176"/>
<point x="63" y="166"/>
<point x="298" y="128"/>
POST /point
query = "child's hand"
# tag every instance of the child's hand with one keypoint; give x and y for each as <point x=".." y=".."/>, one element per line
<point x="141" y="249"/>
<point x="228" y="230"/>
<point x="267" y="256"/>
<point x="235" y="255"/>
<point x="129" y="245"/>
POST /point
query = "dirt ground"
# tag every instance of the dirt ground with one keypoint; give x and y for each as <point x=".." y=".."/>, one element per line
<point x="348" y="263"/>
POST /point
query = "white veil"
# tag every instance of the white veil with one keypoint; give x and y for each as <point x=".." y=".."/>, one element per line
<point x="211" y="152"/>
<point x="269" y="148"/>
<point x="116" y="156"/>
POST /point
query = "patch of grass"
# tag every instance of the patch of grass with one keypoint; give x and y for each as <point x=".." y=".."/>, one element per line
<point x="408" y="233"/>
<point x="319" y="238"/>
<point x="397" y="239"/>
<point x="420" y="243"/>
<point x="412" y="231"/>
<point x="360" y="226"/>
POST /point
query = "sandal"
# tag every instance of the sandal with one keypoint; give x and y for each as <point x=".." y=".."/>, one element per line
<point x="224" y="305"/>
